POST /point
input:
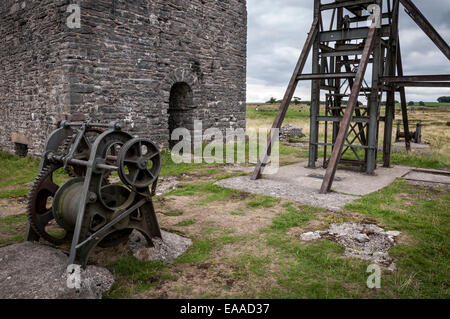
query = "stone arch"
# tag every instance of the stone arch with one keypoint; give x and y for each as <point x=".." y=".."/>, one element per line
<point x="182" y="100"/>
<point x="181" y="109"/>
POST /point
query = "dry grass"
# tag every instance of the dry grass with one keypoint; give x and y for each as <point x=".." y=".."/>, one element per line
<point x="435" y="130"/>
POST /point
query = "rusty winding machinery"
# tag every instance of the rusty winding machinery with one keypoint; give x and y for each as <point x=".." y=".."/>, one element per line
<point x="108" y="195"/>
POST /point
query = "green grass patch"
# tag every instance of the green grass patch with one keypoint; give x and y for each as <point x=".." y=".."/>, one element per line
<point x="213" y="192"/>
<point x="262" y="201"/>
<point x="265" y="112"/>
<point x="314" y="270"/>
<point x="433" y="161"/>
<point x="424" y="215"/>
<point x="319" y="269"/>
<point x="9" y="221"/>
<point x="16" y="170"/>
<point x="238" y="213"/>
<point x="248" y="263"/>
<point x="295" y="215"/>
<point x="19" y="173"/>
<point x="135" y="276"/>
<point x="201" y="249"/>
<point x="186" y="222"/>
<point x="12" y="239"/>
<point x="12" y="229"/>
<point x="14" y="193"/>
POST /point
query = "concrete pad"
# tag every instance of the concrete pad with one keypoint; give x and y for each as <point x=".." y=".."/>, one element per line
<point x="301" y="184"/>
<point x="167" y="249"/>
<point x="36" y="271"/>
<point x="429" y="178"/>
<point x="415" y="148"/>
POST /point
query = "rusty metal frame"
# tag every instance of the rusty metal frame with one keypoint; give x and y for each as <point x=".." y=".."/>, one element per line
<point x="345" y="122"/>
<point x="354" y="129"/>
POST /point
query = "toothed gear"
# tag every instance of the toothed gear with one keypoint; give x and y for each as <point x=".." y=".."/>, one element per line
<point x="79" y="171"/>
<point x="39" y="215"/>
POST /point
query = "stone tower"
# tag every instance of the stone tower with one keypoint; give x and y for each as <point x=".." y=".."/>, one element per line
<point x="155" y="64"/>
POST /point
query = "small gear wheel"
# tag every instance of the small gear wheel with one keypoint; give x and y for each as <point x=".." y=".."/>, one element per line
<point x="139" y="163"/>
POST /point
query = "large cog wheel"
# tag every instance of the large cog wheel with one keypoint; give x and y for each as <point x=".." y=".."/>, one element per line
<point x="39" y="212"/>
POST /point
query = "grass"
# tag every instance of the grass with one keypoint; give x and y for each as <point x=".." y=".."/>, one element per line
<point x="186" y="222"/>
<point x="16" y="171"/>
<point x="12" y="229"/>
<point x="270" y="111"/>
<point x="433" y="161"/>
<point x="135" y="276"/>
<point x="17" y="174"/>
<point x="295" y="215"/>
<point x="424" y="215"/>
<point x="318" y="270"/>
<point x="262" y="201"/>
<point x="273" y="263"/>
<point x="211" y="193"/>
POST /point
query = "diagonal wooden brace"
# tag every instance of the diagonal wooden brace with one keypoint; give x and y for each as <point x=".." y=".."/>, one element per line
<point x="287" y="97"/>
<point x="345" y="122"/>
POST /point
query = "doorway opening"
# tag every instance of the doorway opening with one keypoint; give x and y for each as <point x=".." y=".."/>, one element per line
<point x="181" y="109"/>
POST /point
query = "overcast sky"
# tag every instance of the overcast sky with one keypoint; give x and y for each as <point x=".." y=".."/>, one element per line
<point x="277" y="30"/>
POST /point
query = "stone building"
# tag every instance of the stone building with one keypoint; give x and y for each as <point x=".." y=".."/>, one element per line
<point x="156" y="64"/>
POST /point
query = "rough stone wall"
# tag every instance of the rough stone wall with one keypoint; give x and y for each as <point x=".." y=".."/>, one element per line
<point x="121" y="65"/>
<point x="31" y="77"/>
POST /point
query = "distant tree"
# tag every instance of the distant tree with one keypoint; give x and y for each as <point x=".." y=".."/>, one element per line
<point x="272" y="101"/>
<point x="411" y="103"/>
<point x="422" y="103"/>
<point x="297" y="100"/>
<point x="444" y="99"/>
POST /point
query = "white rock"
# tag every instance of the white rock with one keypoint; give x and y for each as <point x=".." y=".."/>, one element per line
<point x="393" y="233"/>
<point x="362" y="238"/>
<point x="310" y="236"/>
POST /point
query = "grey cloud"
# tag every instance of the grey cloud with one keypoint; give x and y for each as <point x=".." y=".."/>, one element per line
<point x="278" y="30"/>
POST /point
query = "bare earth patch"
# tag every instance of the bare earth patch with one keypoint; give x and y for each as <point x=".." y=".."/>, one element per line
<point x="219" y="276"/>
<point x="12" y="206"/>
<point x="217" y="215"/>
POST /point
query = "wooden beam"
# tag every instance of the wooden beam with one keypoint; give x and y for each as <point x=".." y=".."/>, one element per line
<point x="351" y="34"/>
<point x="416" y="78"/>
<point x="325" y="76"/>
<point x="288" y="96"/>
<point x="346" y="120"/>
<point x="353" y="3"/>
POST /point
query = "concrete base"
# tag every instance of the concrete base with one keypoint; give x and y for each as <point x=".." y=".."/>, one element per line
<point x="301" y="184"/>
<point x="166" y="250"/>
<point x="415" y="148"/>
<point x="35" y="271"/>
<point x="429" y="178"/>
